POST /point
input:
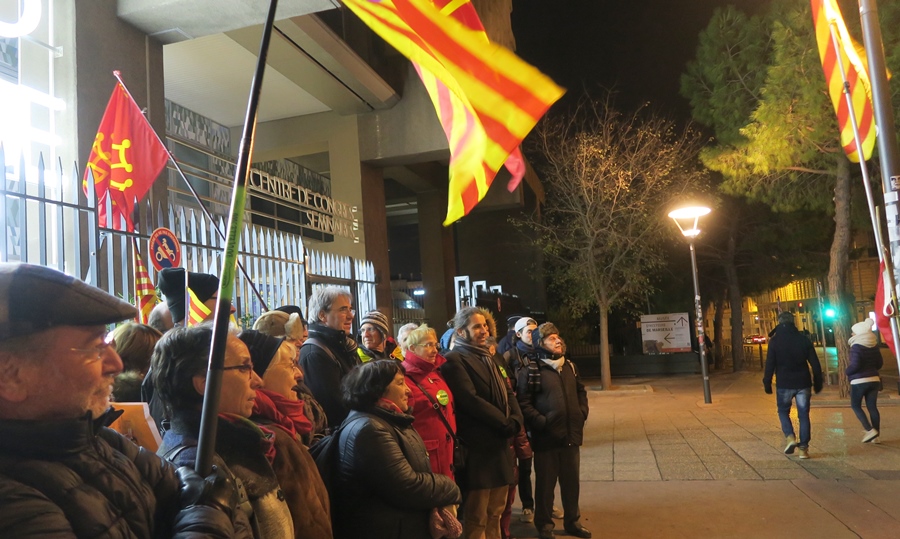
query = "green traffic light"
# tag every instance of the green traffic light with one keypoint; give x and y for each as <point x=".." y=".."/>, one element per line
<point x="829" y="313"/>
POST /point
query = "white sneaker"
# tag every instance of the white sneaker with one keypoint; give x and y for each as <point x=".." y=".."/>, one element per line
<point x="870" y="435"/>
<point x="803" y="452"/>
<point x="527" y="516"/>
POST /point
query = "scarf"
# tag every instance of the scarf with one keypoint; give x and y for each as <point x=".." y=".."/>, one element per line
<point x="266" y="436"/>
<point x="498" y="386"/>
<point x="390" y="406"/>
<point x="555" y="362"/>
<point x="284" y="412"/>
<point x="866" y="339"/>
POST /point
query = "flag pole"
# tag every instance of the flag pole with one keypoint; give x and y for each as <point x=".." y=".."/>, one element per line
<point x="209" y="419"/>
<point x="888" y="152"/>
<point x="134" y="265"/>
<point x="118" y="75"/>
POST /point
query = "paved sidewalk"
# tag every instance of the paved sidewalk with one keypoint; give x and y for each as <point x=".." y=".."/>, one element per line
<point x="658" y="462"/>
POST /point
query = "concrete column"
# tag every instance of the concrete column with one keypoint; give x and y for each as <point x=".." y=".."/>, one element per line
<point x="436" y="247"/>
<point x="375" y="225"/>
<point x="105" y="43"/>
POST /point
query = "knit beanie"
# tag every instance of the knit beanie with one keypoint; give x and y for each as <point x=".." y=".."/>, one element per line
<point x="171" y="283"/>
<point x="262" y="348"/>
<point x="377" y="319"/>
<point x="542" y="332"/>
<point x="862" y="327"/>
<point x="280" y="324"/>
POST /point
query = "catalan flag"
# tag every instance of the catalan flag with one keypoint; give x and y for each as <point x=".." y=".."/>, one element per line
<point x="144" y="292"/>
<point x="827" y="19"/>
<point x="486" y="97"/>
<point x="197" y="311"/>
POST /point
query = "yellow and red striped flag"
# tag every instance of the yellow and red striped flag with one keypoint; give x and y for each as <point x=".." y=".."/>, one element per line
<point x="198" y="312"/>
<point x="144" y="292"/>
<point x="486" y="97"/>
<point x="827" y="16"/>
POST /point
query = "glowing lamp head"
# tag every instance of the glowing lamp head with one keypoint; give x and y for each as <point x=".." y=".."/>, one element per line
<point x="688" y="219"/>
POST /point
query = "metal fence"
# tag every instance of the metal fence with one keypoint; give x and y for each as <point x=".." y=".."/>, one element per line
<point x="48" y="220"/>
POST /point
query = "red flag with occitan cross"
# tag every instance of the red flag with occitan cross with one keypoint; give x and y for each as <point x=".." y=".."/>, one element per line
<point x="125" y="159"/>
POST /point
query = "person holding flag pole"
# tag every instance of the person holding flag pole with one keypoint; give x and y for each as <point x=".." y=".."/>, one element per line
<point x="208" y="423"/>
<point x="835" y="48"/>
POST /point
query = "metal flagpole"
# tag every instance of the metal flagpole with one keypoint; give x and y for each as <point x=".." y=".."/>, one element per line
<point x="209" y="420"/>
<point x="888" y="152"/>
<point x="867" y="184"/>
<point x="193" y="191"/>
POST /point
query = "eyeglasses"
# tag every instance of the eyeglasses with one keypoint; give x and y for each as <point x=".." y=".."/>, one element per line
<point x="95" y="352"/>
<point x="427" y="345"/>
<point x="345" y="310"/>
<point x="244" y="368"/>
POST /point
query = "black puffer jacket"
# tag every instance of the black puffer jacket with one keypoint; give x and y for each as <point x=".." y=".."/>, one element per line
<point x="384" y="487"/>
<point x="483" y="421"/>
<point x="74" y="478"/>
<point x="789" y="358"/>
<point x="555" y="411"/>
<point x="323" y="373"/>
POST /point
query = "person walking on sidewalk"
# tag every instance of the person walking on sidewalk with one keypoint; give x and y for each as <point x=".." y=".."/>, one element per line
<point x="790" y="357"/>
<point x="865" y="361"/>
<point x="555" y="406"/>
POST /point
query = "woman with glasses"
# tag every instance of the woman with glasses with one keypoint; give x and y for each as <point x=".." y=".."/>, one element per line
<point x="431" y="403"/>
<point x="243" y="449"/>
<point x="383" y="485"/>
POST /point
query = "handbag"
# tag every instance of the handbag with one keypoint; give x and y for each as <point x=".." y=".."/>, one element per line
<point x="460" y="452"/>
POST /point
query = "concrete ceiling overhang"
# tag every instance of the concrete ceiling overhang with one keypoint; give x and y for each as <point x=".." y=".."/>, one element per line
<point x="176" y="20"/>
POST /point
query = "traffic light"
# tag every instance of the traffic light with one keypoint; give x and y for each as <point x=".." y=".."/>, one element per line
<point x="830" y="313"/>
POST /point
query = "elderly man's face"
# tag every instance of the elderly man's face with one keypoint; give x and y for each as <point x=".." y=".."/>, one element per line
<point x="371" y="337"/>
<point x="340" y="316"/>
<point x="72" y="375"/>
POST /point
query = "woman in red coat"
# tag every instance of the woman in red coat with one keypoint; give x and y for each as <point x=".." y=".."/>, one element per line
<point x="421" y="363"/>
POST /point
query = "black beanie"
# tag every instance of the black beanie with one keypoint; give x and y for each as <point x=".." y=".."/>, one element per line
<point x="171" y="283"/>
<point x="262" y="349"/>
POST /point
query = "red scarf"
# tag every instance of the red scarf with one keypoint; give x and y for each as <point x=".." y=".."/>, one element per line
<point x="388" y="405"/>
<point x="284" y="412"/>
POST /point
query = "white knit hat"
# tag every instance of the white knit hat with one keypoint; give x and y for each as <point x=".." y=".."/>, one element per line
<point x="862" y="327"/>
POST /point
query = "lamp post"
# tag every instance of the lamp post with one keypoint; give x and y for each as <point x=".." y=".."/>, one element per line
<point x="688" y="221"/>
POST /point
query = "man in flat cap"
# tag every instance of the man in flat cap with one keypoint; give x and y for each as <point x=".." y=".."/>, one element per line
<point x="62" y="473"/>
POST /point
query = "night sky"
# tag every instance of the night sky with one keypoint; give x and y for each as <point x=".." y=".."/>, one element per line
<point x="639" y="48"/>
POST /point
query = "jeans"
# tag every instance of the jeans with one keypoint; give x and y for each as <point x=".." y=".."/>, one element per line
<point x="869" y="390"/>
<point x="785" y="398"/>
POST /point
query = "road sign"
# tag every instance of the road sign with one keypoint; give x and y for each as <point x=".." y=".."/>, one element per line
<point x="165" y="250"/>
<point x="666" y="333"/>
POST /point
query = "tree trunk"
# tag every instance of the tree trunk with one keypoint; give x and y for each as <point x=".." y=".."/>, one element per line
<point x="717" y="330"/>
<point x="838" y="295"/>
<point x="605" y="377"/>
<point x="735" y="300"/>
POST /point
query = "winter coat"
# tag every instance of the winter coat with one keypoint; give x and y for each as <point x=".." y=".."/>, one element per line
<point x="556" y="408"/>
<point x="384" y="487"/>
<point x="75" y="478"/>
<point x="865" y="361"/>
<point x="294" y="467"/>
<point x="323" y="374"/>
<point x="483" y="422"/>
<point x="391" y="351"/>
<point x="244" y="448"/>
<point x="789" y="358"/>
<point x="428" y="421"/>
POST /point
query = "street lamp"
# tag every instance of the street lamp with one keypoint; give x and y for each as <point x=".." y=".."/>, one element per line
<point x="688" y="221"/>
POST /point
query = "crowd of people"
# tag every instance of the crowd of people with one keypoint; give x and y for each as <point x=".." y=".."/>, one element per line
<point x="320" y="433"/>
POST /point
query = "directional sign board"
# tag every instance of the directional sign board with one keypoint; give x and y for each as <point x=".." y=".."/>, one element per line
<point x="666" y="333"/>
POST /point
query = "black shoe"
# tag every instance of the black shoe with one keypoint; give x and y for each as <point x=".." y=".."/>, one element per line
<point x="545" y="534"/>
<point x="579" y="531"/>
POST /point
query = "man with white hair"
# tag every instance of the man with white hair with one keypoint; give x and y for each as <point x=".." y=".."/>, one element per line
<point x="62" y="472"/>
<point x="330" y="352"/>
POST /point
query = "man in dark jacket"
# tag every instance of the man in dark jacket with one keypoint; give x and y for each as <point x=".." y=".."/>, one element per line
<point x="329" y="353"/>
<point x="487" y="416"/>
<point x="789" y="358"/>
<point x="555" y="405"/>
<point x="62" y="473"/>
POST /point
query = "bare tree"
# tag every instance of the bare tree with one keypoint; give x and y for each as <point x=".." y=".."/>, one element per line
<point x="609" y="179"/>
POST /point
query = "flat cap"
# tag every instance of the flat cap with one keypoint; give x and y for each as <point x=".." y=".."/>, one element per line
<point x="36" y="298"/>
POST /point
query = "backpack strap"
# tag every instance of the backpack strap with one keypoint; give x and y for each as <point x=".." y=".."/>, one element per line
<point x="312" y="341"/>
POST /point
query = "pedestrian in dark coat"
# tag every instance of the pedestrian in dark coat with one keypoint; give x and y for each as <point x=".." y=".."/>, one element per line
<point x="555" y="405"/>
<point x="865" y="362"/>
<point x="789" y="359"/>
<point x="487" y="417"/>
<point x="329" y="353"/>
<point x="383" y="485"/>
